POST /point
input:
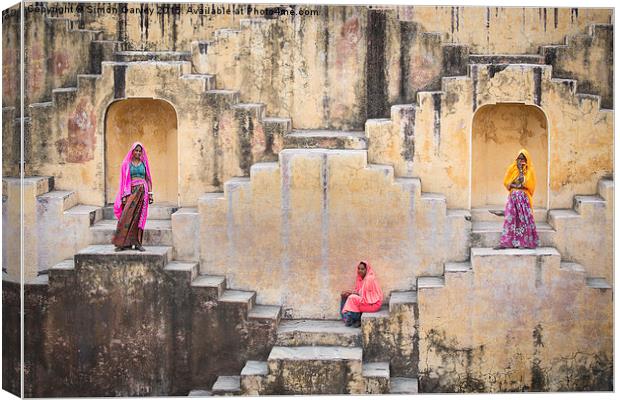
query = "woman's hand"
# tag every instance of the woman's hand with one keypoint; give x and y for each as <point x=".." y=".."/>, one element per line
<point x="124" y="200"/>
<point x="150" y="198"/>
<point x="346" y="293"/>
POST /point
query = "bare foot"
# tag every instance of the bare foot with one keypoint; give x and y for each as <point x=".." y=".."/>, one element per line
<point x="140" y="248"/>
<point x="499" y="213"/>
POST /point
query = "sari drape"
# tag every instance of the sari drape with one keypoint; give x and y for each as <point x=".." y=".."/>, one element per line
<point x="369" y="297"/>
<point x="519" y="228"/>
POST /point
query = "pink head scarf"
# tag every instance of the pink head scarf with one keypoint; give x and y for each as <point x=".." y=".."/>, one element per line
<point x="124" y="187"/>
<point x="368" y="288"/>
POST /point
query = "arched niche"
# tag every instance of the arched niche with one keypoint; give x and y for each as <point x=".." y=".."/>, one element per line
<point x="498" y="132"/>
<point x="152" y="122"/>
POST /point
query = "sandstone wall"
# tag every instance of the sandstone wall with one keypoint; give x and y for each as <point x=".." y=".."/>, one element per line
<point x="509" y="324"/>
<point x="432" y="140"/>
<point x="298" y="228"/>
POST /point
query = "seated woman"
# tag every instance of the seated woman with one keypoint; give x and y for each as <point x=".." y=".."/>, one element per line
<point x="366" y="297"/>
<point x="519" y="229"/>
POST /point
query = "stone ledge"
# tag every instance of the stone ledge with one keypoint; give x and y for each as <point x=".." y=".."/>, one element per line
<point x="490" y="252"/>
<point x="255" y="368"/>
<point x="404" y="385"/>
<point x="227" y="384"/>
<point x="376" y="370"/>
<point x="265" y="312"/>
<point x="316" y="353"/>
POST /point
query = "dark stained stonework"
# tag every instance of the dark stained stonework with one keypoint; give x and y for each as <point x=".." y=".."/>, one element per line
<point x="122" y="325"/>
<point x="376" y="94"/>
<point x="579" y="372"/>
<point x="11" y="337"/>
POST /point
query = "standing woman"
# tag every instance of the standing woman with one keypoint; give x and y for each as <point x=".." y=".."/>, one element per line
<point x="519" y="227"/>
<point x="132" y="203"/>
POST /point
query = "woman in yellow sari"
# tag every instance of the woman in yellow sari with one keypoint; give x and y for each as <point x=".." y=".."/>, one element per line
<point x="519" y="229"/>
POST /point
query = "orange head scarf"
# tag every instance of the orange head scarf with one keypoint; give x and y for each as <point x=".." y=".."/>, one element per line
<point x="529" y="175"/>
<point x="368" y="288"/>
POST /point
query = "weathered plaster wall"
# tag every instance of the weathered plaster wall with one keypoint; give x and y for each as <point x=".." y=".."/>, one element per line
<point x="498" y="133"/>
<point x="588" y="58"/>
<point x="517" y="321"/>
<point x="154" y="124"/>
<point x="56" y="52"/>
<point x="431" y="140"/>
<point x="220" y="138"/>
<point x="586" y="236"/>
<point x="166" y="26"/>
<point x="504" y="30"/>
<point x="11" y="142"/>
<point x="311" y="217"/>
<point x="11" y="253"/>
<point x="312" y="69"/>
<point x="11" y="45"/>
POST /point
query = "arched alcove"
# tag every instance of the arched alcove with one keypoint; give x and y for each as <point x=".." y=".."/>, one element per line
<point x="498" y="132"/>
<point x="153" y="123"/>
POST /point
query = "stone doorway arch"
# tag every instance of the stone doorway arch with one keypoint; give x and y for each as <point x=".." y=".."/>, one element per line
<point x="498" y="132"/>
<point x="152" y="122"/>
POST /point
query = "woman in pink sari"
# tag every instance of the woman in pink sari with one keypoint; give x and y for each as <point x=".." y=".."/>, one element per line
<point x="132" y="203"/>
<point x="366" y="297"/>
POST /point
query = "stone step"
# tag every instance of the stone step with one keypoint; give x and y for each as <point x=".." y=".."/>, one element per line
<point x="491" y="252"/>
<point x="482" y="214"/>
<point x="587" y="204"/>
<point x="62" y="199"/>
<point x="156" y="211"/>
<point x="227" y="386"/>
<point x="310" y="332"/>
<point x="487" y="234"/>
<point x="605" y="188"/>
<point x="93" y="213"/>
<point x="181" y="267"/>
<point x="325" y="139"/>
<point x="104" y="256"/>
<point x="265" y="312"/>
<point x="242" y="298"/>
<point x="598" y="283"/>
<point x="156" y="232"/>
<point x="334" y="370"/>
<point x="506" y="59"/>
<point x="135" y="56"/>
<point x="200" y="393"/>
<point x="214" y="285"/>
<point x="400" y="385"/>
<point x="560" y="216"/>
<point x="430" y="282"/>
<point x="376" y="377"/>
<point x="253" y="377"/>
<point x="108" y="250"/>
<point x="455" y="267"/>
<point x="398" y="299"/>
<point x="572" y="266"/>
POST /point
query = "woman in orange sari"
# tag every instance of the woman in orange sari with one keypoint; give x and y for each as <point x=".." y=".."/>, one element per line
<point x="519" y="229"/>
<point x="366" y="297"/>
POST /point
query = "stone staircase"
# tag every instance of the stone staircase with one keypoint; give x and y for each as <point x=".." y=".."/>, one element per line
<point x="326" y="357"/>
<point x="157" y="231"/>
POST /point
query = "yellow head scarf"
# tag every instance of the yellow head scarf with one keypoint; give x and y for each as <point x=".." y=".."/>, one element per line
<point x="529" y="182"/>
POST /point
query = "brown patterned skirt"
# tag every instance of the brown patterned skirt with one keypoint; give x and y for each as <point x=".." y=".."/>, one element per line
<point x="128" y="232"/>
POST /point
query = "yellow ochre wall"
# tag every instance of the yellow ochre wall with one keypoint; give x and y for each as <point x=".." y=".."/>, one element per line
<point x="498" y="133"/>
<point x="154" y="124"/>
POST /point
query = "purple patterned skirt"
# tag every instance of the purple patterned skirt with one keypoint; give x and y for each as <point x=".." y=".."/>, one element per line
<point x="519" y="226"/>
